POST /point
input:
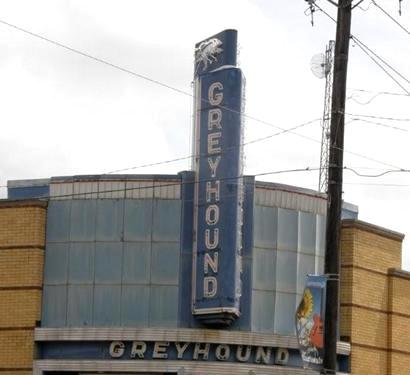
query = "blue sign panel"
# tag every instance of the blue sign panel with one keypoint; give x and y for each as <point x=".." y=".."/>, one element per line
<point x="216" y="51"/>
<point x="218" y="195"/>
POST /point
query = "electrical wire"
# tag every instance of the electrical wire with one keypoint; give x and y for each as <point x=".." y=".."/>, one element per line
<point x="375" y="123"/>
<point x="380" y="117"/>
<point x="133" y="73"/>
<point x="226" y="150"/>
<point x="125" y="189"/>
<point x="379" y="92"/>
<point x="368" y="52"/>
<point x="364" y="9"/>
<point x="141" y="76"/>
<point x="357" y="40"/>
<point x="375" y="95"/>
<point x="180" y="183"/>
<point x="357" y="4"/>
<point x="391" y="17"/>
<point x="375" y="184"/>
<point x="290" y="130"/>
<point x="378" y="174"/>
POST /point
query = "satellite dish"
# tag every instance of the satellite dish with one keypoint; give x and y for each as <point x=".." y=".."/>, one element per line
<point x="319" y="66"/>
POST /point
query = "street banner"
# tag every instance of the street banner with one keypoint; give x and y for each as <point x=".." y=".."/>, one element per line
<point x="310" y="319"/>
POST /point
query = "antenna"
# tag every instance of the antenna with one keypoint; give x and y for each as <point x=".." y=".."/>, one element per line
<point x="319" y="66"/>
<point x="322" y="66"/>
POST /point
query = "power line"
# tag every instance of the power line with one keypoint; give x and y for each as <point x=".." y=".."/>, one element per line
<point x="375" y="94"/>
<point x="391" y="17"/>
<point x="290" y="130"/>
<point x="378" y="174"/>
<point x="180" y="183"/>
<point x="367" y="51"/>
<point x="125" y="189"/>
<point x="375" y="123"/>
<point x="133" y="73"/>
<point x="365" y="9"/>
<point x="357" y="40"/>
<point x="357" y="4"/>
<point x="141" y="76"/>
<point x="36" y="185"/>
<point x="375" y="184"/>
<point x="380" y="117"/>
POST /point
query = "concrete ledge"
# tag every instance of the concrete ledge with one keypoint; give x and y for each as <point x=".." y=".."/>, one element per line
<point x="5" y="203"/>
<point x="397" y="272"/>
<point x="371" y="228"/>
<point x="173" y="334"/>
<point x="174" y="367"/>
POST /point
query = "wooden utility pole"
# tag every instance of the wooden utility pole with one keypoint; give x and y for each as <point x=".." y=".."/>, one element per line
<point x="335" y="181"/>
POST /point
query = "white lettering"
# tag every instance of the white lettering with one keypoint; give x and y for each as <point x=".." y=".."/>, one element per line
<point x="212" y="190"/>
<point x="117" y="349"/>
<point x="282" y="356"/>
<point x="215" y="98"/>
<point x="213" y="165"/>
<point x="181" y="349"/>
<point x="212" y="214"/>
<point x="263" y="355"/>
<point x="213" y="143"/>
<point x="243" y="357"/>
<point x="222" y="352"/>
<point x="138" y="349"/>
<point x="215" y="241"/>
<point x="214" y="119"/>
<point x="201" y="351"/>
<point x="210" y="286"/>
<point x="160" y="350"/>
<point x="209" y="262"/>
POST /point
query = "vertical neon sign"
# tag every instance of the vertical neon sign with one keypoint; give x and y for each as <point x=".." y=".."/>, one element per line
<point x="218" y="186"/>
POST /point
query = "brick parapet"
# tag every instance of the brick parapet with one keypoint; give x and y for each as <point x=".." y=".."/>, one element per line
<point x="373" y="313"/>
<point x="22" y="241"/>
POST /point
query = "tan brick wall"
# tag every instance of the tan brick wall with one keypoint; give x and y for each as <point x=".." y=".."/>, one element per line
<point x="368" y="361"/>
<point x="399" y="324"/>
<point x="347" y="243"/>
<point x="367" y="300"/>
<point x="16" y="349"/>
<point x="22" y="240"/>
<point x="345" y="321"/>
<point x="22" y="225"/>
<point x="400" y="333"/>
<point x="21" y="267"/>
<point x="346" y="285"/>
<point x="19" y="308"/>
<point x="369" y="327"/>
<point x="400" y="291"/>
<point x="400" y="364"/>
<point x="370" y="289"/>
<point x="375" y="253"/>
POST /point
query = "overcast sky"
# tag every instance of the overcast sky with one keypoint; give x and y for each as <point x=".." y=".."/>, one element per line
<point x="65" y="114"/>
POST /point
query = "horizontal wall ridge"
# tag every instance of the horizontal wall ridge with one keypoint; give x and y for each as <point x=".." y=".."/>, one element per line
<point x="22" y="247"/>
<point x="387" y="312"/>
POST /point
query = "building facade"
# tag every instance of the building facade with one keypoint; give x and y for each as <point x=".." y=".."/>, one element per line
<point x="97" y="277"/>
<point x="118" y="276"/>
<point x="375" y="317"/>
<point x="195" y="273"/>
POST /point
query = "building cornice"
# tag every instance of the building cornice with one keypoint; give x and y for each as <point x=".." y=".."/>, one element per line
<point x="172" y="334"/>
<point x="371" y="228"/>
<point x="23" y="203"/>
